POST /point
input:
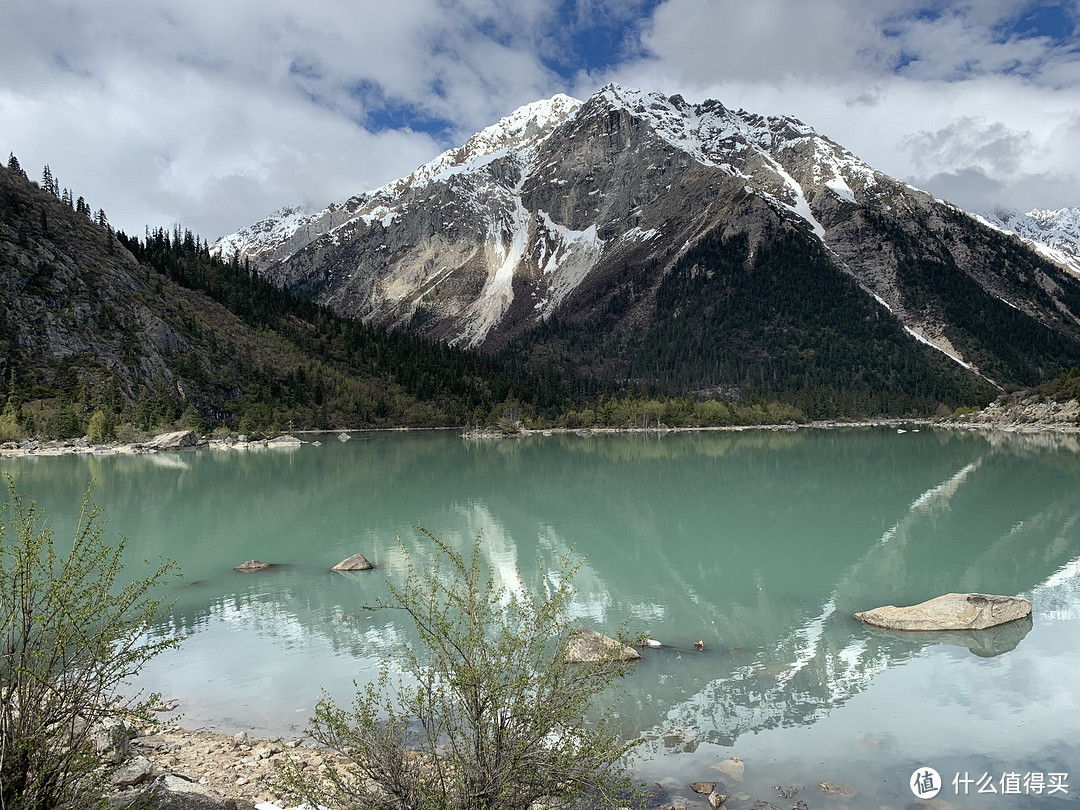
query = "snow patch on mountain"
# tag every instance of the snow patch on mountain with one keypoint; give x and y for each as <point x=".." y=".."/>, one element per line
<point x="524" y="129"/>
<point x="838" y="186"/>
<point x="567" y="257"/>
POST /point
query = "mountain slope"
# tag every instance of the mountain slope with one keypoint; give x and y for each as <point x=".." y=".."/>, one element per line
<point x="578" y="212"/>
<point x="157" y="332"/>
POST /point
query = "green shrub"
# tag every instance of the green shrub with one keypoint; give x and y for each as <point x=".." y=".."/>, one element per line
<point x="492" y="718"/>
<point x="71" y="632"/>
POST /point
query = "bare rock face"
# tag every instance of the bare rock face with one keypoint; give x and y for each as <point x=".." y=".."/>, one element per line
<point x="252" y="565"/>
<point x="589" y="647"/>
<point x="953" y="611"/>
<point x="111" y="739"/>
<point x="357" y="562"/>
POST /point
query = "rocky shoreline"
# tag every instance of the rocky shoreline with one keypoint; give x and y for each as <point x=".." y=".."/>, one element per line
<point x="214" y="771"/>
<point x="1029" y="415"/>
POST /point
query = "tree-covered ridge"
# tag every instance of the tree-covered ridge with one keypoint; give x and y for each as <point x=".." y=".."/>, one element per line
<point x="783" y="322"/>
<point x="100" y="330"/>
<point x="771" y="319"/>
<point x="110" y="335"/>
<point x="1006" y="342"/>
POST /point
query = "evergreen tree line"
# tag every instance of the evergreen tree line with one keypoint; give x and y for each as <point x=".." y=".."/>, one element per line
<point x="50" y="184"/>
<point x="1005" y="343"/>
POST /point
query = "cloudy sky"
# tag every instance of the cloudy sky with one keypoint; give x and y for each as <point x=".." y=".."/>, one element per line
<point x="213" y="113"/>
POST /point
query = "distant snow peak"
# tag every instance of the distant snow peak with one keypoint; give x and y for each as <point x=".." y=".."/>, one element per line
<point x="279" y="226"/>
<point x="1053" y="233"/>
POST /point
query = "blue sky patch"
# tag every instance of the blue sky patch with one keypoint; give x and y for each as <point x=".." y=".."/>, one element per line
<point x="382" y="113"/>
<point x="597" y="40"/>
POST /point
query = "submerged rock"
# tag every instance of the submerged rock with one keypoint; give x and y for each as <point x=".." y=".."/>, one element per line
<point x="252" y="565"/>
<point x="838" y="789"/>
<point x="732" y="767"/>
<point x="357" y="562"/>
<point x="589" y="647"/>
<point x="953" y="611"/>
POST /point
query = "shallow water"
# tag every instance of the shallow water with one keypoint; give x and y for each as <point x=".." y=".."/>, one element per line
<point x="761" y="544"/>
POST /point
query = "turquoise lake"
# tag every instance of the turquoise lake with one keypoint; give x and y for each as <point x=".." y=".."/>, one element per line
<point x="759" y="543"/>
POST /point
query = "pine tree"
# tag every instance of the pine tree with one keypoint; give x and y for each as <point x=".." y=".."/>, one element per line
<point x="66" y="197"/>
<point x="48" y="182"/>
<point x="13" y="165"/>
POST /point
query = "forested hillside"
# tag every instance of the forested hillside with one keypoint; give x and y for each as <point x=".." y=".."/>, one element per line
<point x="779" y="324"/>
<point x="101" y="331"/>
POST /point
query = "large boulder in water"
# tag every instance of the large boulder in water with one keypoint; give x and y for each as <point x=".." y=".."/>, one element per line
<point x="172" y="441"/>
<point x="589" y="647"/>
<point x="985" y="643"/>
<point x="953" y="611"/>
<point x="357" y="562"/>
<point x="285" y="440"/>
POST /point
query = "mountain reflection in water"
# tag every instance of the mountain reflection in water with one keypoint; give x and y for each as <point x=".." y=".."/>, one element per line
<point x="762" y="544"/>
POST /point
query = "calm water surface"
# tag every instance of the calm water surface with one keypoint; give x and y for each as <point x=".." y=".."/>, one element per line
<point x="761" y="544"/>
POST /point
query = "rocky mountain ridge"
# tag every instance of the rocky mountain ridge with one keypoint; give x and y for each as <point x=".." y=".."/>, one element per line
<point x="504" y="177"/>
<point x="567" y="211"/>
<point x="1054" y="234"/>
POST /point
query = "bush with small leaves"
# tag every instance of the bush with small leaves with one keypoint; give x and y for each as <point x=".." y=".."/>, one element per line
<point x="72" y="631"/>
<point x="489" y="716"/>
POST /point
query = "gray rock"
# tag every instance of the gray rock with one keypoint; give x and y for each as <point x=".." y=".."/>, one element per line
<point x="111" y="739"/>
<point x="357" y="562"/>
<point x="953" y="611"/>
<point x="172" y="441"/>
<point x="838" y="789"/>
<point x="169" y="792"/>
<point x="716" y="800"/>
<point x="589" y="647"/>
<point x="133" y="772"/>
<point x="284" y="441"/>
<point x="252" y="565"/>
<point x="733" y="767"/>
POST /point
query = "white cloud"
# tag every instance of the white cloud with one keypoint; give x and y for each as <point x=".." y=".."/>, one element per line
<point x="215" y="113"/>
<point x="950" y="100"/>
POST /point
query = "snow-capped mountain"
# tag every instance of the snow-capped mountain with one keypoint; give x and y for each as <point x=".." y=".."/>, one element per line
<point x="567" y="210"/>
<point x="1054" y="234"/>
